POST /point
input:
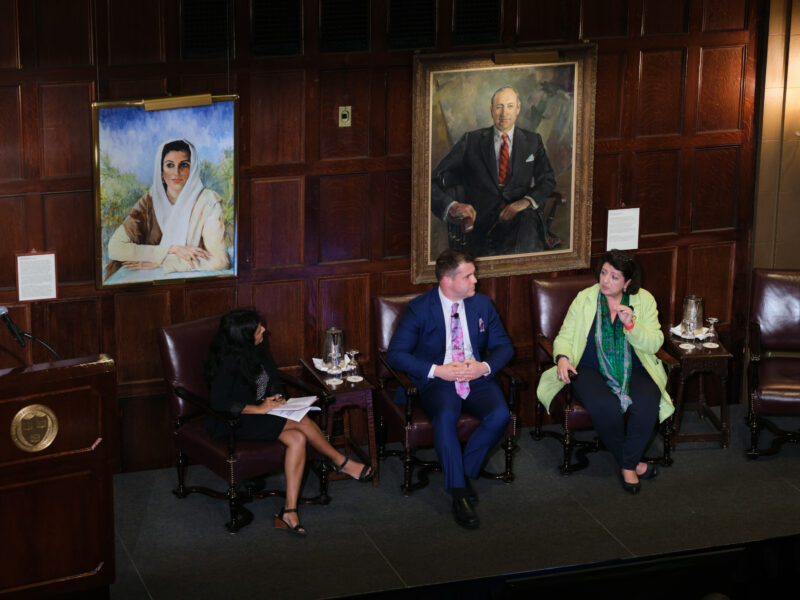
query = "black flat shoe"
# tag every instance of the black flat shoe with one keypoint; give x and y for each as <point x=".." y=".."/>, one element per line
<point x="649" y="473"/>
<point x="279" y="523"/>
<point x="365" y="475"/>
<point x="631" y="488"/>
<point x="472" y="495"/>
<point x="463" y="513"/>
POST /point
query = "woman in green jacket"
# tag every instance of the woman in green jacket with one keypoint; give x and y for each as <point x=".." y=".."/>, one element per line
<point x="607" y="346"/>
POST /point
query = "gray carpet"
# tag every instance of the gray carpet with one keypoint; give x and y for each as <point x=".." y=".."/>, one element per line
<point x="371" y="539"/>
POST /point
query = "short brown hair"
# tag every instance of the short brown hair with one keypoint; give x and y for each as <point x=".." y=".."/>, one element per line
<point x="624" y="262"/>
<point x="450" y="260"/>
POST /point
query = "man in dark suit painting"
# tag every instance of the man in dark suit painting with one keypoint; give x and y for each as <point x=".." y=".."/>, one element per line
<point x="493" y="184"/>
<point x="451" y="343"/>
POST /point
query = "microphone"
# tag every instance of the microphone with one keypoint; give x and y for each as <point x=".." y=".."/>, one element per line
<point x="12" y="327"/>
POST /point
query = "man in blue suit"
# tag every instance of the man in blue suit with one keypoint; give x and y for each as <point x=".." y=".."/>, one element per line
<point x="451" y="344"/>
<point x="494" y="183"/>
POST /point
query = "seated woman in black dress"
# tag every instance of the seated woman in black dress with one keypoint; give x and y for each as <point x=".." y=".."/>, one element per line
<point x="611" y="334"/>
<point x="244" y="382"/>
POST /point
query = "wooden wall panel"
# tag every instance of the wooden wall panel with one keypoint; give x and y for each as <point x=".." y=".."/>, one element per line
<point x="12" y="237"/>
<point x="135" y="32"/>
<point x="716" y="187"/>
<point x="66" y="129"/>
<point x="721" y="88"/>
<point x="710" y="274"/>
<point x="604" y="19"/>
<point x="9" y="35"/>
<point x="659" y="274"/>
<point x="399" y="282"/>
<point x="11" y="353"/>
<point x="74" y="245"/>
<point x="659" y="17"/>
<point x="277" y="105"/>
<point x="610" y="88"/>
<point x="211" y="83"/>
<point x="53" y="19"/>
<point x="10" y="132"/>
<point x="548" y="21"/>
<point x="277" y="222"/>
<point x="283" y="306"/>
<point x="344" y="302"/>
<point x="398" y="111"/>
<point x="343" y="223"/>
<point x="725" y="15"/>
<point x="661" y="92"/>
<point x="70" y="326"/>
<point x="397" y="214"/>
<point x="605" y="187"/>
<point x="139" y="314"/>
<point x="344" y="88"/>
<point x="656" y="185"/>
<point x="204" y="302"/>
<point x="136" y="89"/>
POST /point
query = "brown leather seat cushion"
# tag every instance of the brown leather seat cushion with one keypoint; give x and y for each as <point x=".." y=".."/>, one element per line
<point x="778" y="386"/>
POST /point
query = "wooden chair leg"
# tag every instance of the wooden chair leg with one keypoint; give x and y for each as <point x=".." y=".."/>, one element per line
<point x="181" y="491"/>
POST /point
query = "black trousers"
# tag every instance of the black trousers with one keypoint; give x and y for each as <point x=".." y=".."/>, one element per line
<point x="624" y="434"/>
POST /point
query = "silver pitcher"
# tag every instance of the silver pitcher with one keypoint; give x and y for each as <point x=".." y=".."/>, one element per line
<point x="692" y="315"/>
<point x="333" y="347"/>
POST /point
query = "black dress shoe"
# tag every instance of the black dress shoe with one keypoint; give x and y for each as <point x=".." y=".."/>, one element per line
<point x="472" y="495"/>
<point x="463" y="513"/>
<point x="631" y="488"/>
<point x="649" y="473"/>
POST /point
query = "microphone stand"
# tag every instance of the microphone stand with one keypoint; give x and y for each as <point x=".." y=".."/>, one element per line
<point x="30" y="336"/>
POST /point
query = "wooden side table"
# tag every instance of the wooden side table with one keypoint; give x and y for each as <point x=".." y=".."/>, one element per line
<point x="700" y="359"/>
<point x="345" y="396"/>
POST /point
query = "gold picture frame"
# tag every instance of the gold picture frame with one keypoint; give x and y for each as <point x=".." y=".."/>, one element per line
<point x="198" y="236"/>
<point x="453" y="97"/>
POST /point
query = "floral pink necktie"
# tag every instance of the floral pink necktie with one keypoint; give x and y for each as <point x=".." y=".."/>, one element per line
<point x="457" y="337"/>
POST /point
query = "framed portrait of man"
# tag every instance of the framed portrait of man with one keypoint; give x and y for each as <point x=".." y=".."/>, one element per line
<point x="502" y="159"/>
<point x="165" y="181"/>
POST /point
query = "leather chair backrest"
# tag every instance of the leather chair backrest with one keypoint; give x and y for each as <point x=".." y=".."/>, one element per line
<point x="775" y="308"/>
<point x="550" y="300"/>
<point x="183" y="348"/>
<point x="387" y="311"/>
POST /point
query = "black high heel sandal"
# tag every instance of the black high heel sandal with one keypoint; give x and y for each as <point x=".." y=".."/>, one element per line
<point x="365" y="475"/>
<point x="279" y="523"/>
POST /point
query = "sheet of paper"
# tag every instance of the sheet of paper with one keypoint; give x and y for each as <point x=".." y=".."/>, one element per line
<point x="36" y="276"/>
<point x="296" y="408"/>
<point x="623" y="229"/>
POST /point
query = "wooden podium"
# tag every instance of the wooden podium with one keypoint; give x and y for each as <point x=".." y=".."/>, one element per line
<point x="56" y="504"/>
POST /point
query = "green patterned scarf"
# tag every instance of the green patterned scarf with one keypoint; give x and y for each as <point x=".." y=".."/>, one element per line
<point x="613" y="351"/>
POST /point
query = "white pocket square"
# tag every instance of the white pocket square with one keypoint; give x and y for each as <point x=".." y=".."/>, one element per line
<point x="529" y="159"/>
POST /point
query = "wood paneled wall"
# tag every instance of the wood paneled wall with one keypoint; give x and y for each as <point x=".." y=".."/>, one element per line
<point x="324" y="212"/>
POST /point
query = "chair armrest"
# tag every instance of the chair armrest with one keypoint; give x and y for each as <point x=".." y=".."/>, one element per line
<point x="324" y="395"/>
<point x="546" y="344"/>
<point x="515" y="383"/>
<point x="404" y="382"/>
<point x="669" y="361"/>
<point x="202" y="405"/>
<point x="754" y="343"/>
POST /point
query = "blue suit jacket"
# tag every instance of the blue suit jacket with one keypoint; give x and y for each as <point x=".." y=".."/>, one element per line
<point x="420" y="338"/>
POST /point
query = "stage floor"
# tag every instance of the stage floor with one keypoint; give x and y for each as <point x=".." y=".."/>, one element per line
<point x="371" y="540"/>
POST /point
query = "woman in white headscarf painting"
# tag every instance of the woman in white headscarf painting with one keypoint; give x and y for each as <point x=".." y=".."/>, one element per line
<point x="177" y="225"/>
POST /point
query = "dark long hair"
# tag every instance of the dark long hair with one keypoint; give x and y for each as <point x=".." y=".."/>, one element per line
<point x="624" y="262"/>
<point x="235" y="341"/>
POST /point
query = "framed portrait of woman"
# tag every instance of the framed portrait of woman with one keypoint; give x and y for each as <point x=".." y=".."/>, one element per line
<point x="166" y="189"/>
<point x="502" y="159"/>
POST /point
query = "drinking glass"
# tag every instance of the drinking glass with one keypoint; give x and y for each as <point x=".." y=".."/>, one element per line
<point x="712" y="339"/>
<point x="352" y="366"/>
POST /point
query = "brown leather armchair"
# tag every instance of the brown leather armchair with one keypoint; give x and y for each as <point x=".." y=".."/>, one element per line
<point x="407" y="423"/>
<point x="242" y="463"/>
<point x="550" y="300"/>
<point x="774" y="349"/>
